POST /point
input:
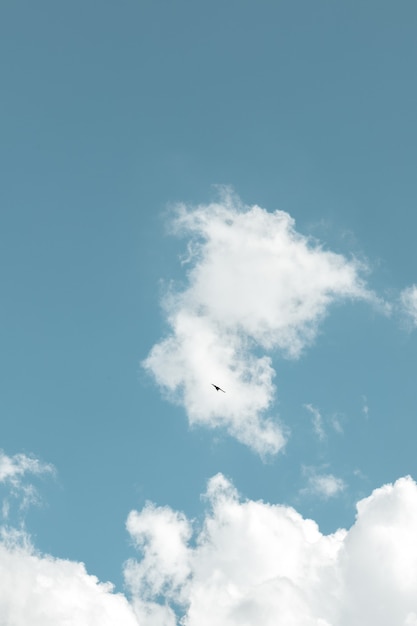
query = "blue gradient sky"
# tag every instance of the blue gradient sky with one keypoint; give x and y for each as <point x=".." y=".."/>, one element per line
<point x="110" y="113"/>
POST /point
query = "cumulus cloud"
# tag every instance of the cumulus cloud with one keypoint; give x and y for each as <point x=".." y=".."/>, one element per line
<point x="164" y="534"/>
<point x="246" y="562"/>
<point x="257" y="563"/>
<point x="44" y="591"/>
<point x="254" y="283"/>
<point x="408" y="304"/>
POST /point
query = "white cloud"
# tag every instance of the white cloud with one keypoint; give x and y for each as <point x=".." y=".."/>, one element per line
<point x="254" y="282"/>
<point x="336" y="421"/>
<point x="247" y="562"/>
<point x="43" y="591"/>
<point x="164" y="535"/>
<point x="14" y="468"/>
<point x="317" y="421"/>
<point x="322" y="484"/>
<point x="14" y="473"/>
<point x="257" y="563"/>
<point x="408" y="304"/>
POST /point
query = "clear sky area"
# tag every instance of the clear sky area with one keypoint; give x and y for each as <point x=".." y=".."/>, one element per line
<point x="197" y="194"/>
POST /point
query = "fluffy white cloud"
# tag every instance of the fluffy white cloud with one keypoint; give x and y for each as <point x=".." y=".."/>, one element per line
<point x="246" y="563"/>
<point x="257" y="563"/>
<point x="43" y="591"/>
<point x="164" y="535"/>
<point x="408" y="303"/>
<point x="254" y="282"/>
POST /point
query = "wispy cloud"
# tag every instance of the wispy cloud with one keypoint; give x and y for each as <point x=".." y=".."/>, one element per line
<point x="336" y="421"/>
<point x="317" y="421"/>
<point x="253" y="282"/>
<point x="259" y="563"/>
<point x="408" y="304"/>
<point x="16" y="473"/>
<point x="14" y="468"/>
<point x="365" y="407"/>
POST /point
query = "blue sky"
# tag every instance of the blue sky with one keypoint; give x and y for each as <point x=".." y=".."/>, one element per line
<point x="113" y="115"/>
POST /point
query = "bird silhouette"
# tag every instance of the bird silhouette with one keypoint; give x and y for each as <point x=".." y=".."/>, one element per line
<point x="218" y="388"/>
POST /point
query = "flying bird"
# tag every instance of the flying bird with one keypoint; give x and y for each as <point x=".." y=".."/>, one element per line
<point x="218" y="388"/>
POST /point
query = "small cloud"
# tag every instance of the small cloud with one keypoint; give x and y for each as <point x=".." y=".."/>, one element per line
<point x="317" y="421"/>
<point x="336" y="422"/>
<point x="14" y="473"/>
<point x="14" y="468"/>
<point x="322" y="484"/>
<point x="359" y="474"/>
<point x="408" y="304"/>
<point x="365" y="407"/>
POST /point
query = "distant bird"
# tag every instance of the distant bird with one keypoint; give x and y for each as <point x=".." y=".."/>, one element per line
<point x="218" y="388"/>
